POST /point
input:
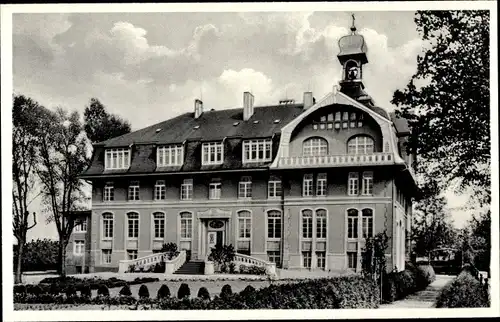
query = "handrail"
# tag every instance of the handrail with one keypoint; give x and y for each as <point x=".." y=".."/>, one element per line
<point x="339" y="159"/>
<point x="245" y="259"/>
<point x="175" y="263"/>
<point x="146" y="261"/>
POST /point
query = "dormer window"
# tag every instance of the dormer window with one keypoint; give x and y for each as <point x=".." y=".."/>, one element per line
<point x="170" y="155"/>
<point x="257" y="150"/>
<point x="212" y="153"/>
<point x="117" y="159"/>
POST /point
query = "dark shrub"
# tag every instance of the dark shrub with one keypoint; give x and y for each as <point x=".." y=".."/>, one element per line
<point x="171" y="250"/>
<point x="203" y="293"/>
<point x="249" y="289"/>
<point x="243" y="269"/>
<point x="159" y="267"/>
<point x="125" y="291"/>
<point x="54" y="289"/>
<point x="427" y="273"/>
<point x="70" y="291"/>
<point x="103" y="290"/>
<point x="184" y="291"/>
<point x="39" y="255"/>
<point x="85" y="291"/>
<point x="463" y="292"/>
<point x="143" y="291"/>
<point x="20" y="289"/>
<point x="226" y="291"/>
<point x="163" y="292"/>
<point x="232" y="268"/>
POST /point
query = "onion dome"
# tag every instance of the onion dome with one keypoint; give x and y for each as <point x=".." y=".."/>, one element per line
<point x="352" y="46"/>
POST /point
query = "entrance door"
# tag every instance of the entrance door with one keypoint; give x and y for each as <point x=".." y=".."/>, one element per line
<point x="220" y="238"/>
<point x="211" y="240"/>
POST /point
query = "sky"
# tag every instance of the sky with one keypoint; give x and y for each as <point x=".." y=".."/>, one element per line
<point x="148" y="67"/>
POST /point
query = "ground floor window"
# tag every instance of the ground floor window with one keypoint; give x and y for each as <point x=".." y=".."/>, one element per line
<point x="157" y="251"/>
<point x="352" y="260"/>
<point x="274" y="257"/>
<point x="321" y="257"/>
<point x="106" y="256"/>
<point x="79" y="248"/>
<point x="306" y="259"/>
<point x="132" y="254"/>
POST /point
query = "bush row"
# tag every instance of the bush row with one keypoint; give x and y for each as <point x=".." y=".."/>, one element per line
<point x="465" y="291"/>
<point x="327" y="293"/>
<point x="398" y="285"/>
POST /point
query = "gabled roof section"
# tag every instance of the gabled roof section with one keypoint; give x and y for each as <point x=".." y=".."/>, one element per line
<point x="211" y="126"/>
<point x="401" y="124"/>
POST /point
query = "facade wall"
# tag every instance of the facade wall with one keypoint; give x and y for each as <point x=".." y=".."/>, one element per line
<point x="76" y="263"/>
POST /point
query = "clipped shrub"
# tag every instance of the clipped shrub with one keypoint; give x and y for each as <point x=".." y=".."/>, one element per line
<point x="226" y="291"/>
<point x="171" y="250"/>
<point x="203" y="293"/>
<point x="243" y="269"/>
<point x="163" y="292"/>
<point x="103" y="290"/>
<point x="143" y="291"/>
<point x="54" y="289"/>
<point x="249" y="289"/>
<point x="20" y="289"/>
<point x="232" y="267"/>
<point x="125" y="291"/>
<point x="70" y="291"/>
<point x="85" y="291"/>
<point x="427" y="273"/>
<point x="184" y="291"/>
<point x="465" y="291"/>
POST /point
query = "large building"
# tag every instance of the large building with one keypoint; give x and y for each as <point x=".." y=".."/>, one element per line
<point x="299" y="184"/>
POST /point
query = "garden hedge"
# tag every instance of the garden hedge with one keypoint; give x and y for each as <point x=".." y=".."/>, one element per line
<point x="465" y="291"/>
<point x="398" y="285"/>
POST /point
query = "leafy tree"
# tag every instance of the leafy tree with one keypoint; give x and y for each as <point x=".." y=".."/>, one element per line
<point x="100" y="125"/>
<point x="432" y="226"/>
<point x="447" y="101"/>
<point x="27" y="129"/>
<point x="64" y="156"/>
<point x="39" y="255"/>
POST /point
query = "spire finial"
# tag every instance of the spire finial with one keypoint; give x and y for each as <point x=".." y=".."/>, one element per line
<point x="353" y="27"/>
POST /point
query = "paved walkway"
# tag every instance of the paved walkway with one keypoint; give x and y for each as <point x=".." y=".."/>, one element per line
<point x="422" y="299"/>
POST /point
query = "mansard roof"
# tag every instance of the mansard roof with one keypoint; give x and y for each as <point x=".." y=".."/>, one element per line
<point x="401" y="124"/>
<point x="213" y="126"/>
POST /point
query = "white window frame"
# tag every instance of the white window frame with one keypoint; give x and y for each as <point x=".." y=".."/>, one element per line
<point x="361" y="144"/>
<point x="117" y="159"/>
<point x="159" y="224"/>
<point x="307" y="185"/>
<point x="132" y="251"/>
<point x="170" y="155"/>
<point x="366" y="222"/>
<point x="160" y="190"/>
<point x="276" y="217"/>
<point x="187" y="190"/>
<point x="186" y="219"/>
<point x="306" y="224"/>
<point x="134" y="190"/>
<point x="80" y="226"/>
<point x="257" y="147"/>
<point x="134" y="223"/>
<point x="367" y="183"/>
<point x="108" y="221"/>
<point x="356" y="260"/>
<point x="353" y="221"/>
<point x="306" y="255"/>
<point x="324" y="224"/>
<point x="215" y="190"/>
<point x="245" y="188"/>
<point x="321" y="258"/>
<point x="105" y="254"/>
<point x="321" y="185"/>
<point x="315" y="146"/>
<point x="245" y="220"/>
<point x="274" y="188"/>
<point x="109" y="192"/>
<point x="353" y="184"/>
<point x="212" y="153"/>
<point x="272" y="256"/>
<point x="78" y="247"/>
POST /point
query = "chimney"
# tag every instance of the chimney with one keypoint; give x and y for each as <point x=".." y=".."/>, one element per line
<point x="308" y="100"/>
<point x="198" y="108"/>
<point x="247" y="105"/>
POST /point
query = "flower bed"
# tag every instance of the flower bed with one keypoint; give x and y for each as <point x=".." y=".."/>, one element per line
<point x="398" y="285"/>
<point x="465" y="291"/>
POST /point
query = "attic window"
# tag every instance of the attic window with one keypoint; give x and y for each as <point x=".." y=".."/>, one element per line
<point x="196" y="127"/>
<point x="276" y="121"/>
<point x="236" y="123"/>
<point x="158" y="130"/>
<point x="255" y="122"/>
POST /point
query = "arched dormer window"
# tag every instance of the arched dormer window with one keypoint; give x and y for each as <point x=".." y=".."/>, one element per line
<point x="315" y="146"/>
<point x="361" y="144"/>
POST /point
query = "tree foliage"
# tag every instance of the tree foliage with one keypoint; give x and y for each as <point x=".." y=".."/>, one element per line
<point x="39" y="255"/>
<point x="447" y="101"/>
<point x="100" y="125"/>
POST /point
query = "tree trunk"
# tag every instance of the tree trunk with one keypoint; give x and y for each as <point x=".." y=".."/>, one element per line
<point x="20" y="250"/>
<point x="62" y="259"/>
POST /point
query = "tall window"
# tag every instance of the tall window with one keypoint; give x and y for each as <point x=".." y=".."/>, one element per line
<point x="106" y="256"/>
<point x="132" y="254"/>
<point x="367" y="223"/>
<point x="107" y="226"/>
<point x="353" y="184"/>
<point x="109" y="192"/>
<point x="245" y="187"/>
<point x="215" y="190"/>
<point x="352" y="224"/>
<point x="244" y="225"/>
<point x="321" y="185"/>
<point x="257" y="150"/>
<point x="212" y="153"/>
<point x="79" y="247"/>
<point x="274" y="224"/>
<point x="274" y="257"/>
<point x="315" y="147"/>
<point x="274" y="187"/>
<point x="117" y="159"/>
<point x="80" y="226"/>
<point x="307" y="224"/>
<point x="306" y="259"/>
<point x="186" y="225"/>
<point x="367" y="188"/>
<point x="133" y="190"/>
<point x="321" y="258"/>
<point x="307" y="185"/>
<point x="160" y="190"/>
<point x="159" y="225"/>
<point x="172" y="155"/>
<point x="321" y="224"/>
<point x="133" y="225"/>
<point x="360" y="145"/>
<point x="187" y="189"/>
<point x="352" y="260"/>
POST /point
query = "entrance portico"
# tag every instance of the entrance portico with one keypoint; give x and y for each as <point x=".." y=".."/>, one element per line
<point x="213" y="229"/>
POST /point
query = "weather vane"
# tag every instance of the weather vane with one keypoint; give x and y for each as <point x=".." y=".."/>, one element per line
<point x="353" y="27"/>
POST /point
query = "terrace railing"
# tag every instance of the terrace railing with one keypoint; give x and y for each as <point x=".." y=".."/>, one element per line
<point x="336" y="160"/>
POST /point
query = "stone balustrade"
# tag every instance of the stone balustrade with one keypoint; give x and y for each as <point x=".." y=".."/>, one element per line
<point x="336" y="160"/>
